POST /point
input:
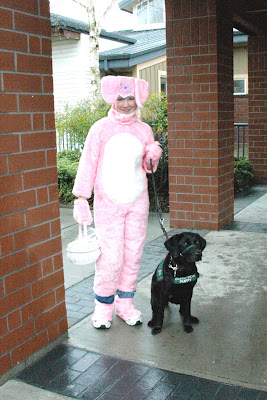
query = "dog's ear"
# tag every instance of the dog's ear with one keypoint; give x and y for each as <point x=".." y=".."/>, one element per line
<point x="172" y="245"/>
<point x="202" y="242"/>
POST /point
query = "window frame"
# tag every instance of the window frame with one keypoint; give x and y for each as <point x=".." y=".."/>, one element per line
<point x="148" y="24"/>
<point x="162" y="74"/>
<point x="244" y="79"/>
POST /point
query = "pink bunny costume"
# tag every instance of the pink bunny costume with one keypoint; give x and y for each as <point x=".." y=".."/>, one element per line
<point x="114" y="162"/>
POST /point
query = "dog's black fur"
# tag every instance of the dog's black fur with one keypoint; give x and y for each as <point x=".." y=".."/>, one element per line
<point x="164" y="291"/>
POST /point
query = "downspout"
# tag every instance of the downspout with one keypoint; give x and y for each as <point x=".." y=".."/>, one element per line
<point x="107" y="70"/>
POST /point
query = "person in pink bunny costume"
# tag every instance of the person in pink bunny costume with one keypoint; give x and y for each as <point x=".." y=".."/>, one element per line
<point x="114" y="161"/>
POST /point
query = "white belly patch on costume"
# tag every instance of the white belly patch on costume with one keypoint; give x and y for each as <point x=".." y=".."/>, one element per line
<point x="122" y="175"/>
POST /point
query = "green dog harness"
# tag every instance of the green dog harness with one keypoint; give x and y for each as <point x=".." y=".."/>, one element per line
<point x="176" y="280"/>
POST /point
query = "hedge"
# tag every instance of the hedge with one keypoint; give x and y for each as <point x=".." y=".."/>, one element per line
<point x="243" y="174"/>
<point x="67" y="164"/>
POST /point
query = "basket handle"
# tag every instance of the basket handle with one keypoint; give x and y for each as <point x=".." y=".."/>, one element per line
<point x="82" y="230"/>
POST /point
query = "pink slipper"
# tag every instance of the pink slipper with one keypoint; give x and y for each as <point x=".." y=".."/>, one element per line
<point x="102" y="316"/>
<point x="125" y="310"/>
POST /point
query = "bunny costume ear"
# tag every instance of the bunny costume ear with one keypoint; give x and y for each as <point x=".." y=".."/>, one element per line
<point x="141" y="91"/>
<point x="124" y="86"/>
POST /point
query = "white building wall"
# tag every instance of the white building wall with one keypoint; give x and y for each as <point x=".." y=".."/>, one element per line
<point x="70" y="70"/>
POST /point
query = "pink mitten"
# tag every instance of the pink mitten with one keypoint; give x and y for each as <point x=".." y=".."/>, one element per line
<point x="81" y="212"/>
<point x="153" y="152"/>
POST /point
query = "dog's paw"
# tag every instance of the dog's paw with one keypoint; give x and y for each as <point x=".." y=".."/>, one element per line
<point x="194" y="320"/>
<point x="156" y="330"/>
<point x="150" y="324"/>
<point x="188" y="328"/>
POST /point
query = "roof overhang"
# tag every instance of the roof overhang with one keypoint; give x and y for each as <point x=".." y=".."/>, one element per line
<point x="250" y="17"/>
<point x="61" y="25"/>
<point x="129" y="60"/>
<point x="127" y="5"/>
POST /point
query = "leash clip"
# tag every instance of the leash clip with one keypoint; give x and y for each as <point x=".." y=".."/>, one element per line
<point x="174" y="268"/>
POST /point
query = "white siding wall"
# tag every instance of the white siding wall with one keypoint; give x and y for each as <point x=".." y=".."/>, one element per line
<point x="70" y="70"/>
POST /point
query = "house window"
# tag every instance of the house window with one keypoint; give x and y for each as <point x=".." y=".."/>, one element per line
<point x="156" y="11"/>
<point x="240" y="86"/>
<point x="142" y="13"/>
<point x="162" y="79"/>
<point x="163" y="84"/>
<point x="150" y="12"/>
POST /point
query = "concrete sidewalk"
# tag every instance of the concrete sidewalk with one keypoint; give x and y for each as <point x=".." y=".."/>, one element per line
<point x="226" y="352"/>
<point x="228" y="299"/>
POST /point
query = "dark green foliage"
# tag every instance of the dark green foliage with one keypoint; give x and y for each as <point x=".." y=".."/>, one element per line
<point x="67" y="165"/>
<point x="155" y="111"/>
<point x="70" y="155"/>
<point x="73" y="123"/>
<point x="243" y="174"/>
<point x="161" y="181"/>
<point x="155" y="114"/>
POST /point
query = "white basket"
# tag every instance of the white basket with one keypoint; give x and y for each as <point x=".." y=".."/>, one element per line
<point x="85" y="249"/>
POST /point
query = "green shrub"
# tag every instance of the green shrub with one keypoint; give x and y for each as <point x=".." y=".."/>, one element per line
<point x="155" y="115"/>
<point x="243" y="174"/>
<point x="70" y="155"/>
<point x="74" y="122"/>
<point x="161" y="182"/>
<point x="155" y="111"/>
<point x="67" y="165"/>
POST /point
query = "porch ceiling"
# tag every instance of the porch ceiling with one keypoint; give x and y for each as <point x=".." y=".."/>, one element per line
<point x="250" y="16"/>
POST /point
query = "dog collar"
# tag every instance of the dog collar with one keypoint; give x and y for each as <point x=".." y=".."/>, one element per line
<point x="188" y="247"/>
<point x="176" y="280"/>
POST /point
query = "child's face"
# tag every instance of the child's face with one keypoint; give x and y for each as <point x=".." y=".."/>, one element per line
<point x="125" y="105"/>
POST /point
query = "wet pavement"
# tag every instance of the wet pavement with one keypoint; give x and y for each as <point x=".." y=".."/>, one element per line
<point x="225" y="356"/>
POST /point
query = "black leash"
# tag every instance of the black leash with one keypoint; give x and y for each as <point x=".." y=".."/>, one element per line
<point x="159" y="212"/>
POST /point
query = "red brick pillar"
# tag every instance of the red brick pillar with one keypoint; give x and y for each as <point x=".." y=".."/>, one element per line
<point x="32" y="296"/>
<point x="257" y="119"/>
<point x="200" y="113"/>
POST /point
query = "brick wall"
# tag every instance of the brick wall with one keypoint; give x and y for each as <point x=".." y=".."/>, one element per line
<point x="200" y="113"/>
<point x="241" y="109"/>
<point x="32" y="302"/>
<point x="257" y="69"/>
<point x="241" y="116"/>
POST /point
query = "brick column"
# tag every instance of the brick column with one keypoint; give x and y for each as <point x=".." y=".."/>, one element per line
<point x="32" y="295"/>
<point x="257" y="89"/>
<point x="200" y="113"/>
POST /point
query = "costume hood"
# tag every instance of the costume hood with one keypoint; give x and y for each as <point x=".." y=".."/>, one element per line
<point x="124" y="86"/>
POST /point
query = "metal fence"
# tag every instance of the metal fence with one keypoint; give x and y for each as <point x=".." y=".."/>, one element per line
<point x="65" y="143"/>
<point x="161" y="136"/>
<point x="241" y="140"/>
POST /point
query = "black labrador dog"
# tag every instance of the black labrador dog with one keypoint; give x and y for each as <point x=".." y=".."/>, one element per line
<point x="175" y="278"/>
